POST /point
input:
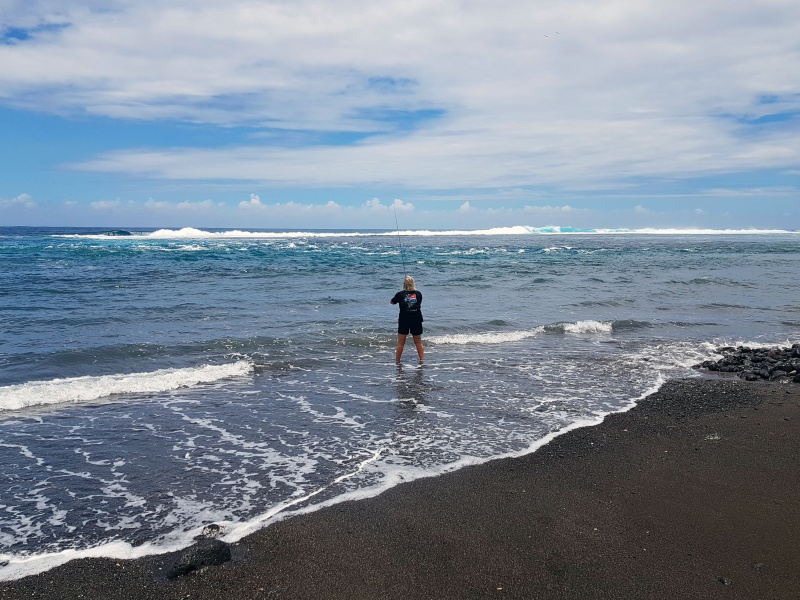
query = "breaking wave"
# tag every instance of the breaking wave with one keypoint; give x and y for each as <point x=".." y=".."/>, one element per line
<point x="503" y="337"/>
<point x="83" y="389"/>
<point x="194" y="234"/>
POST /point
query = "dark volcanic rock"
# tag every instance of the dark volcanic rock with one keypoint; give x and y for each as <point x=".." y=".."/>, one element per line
<point x="752" y="364"/>
<point x="212" y="530"/>
<point x="203" y="553"/>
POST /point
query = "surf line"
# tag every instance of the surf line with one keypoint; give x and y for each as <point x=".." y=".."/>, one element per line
<point x="245" y="528"/>
<point x="399" y="241"/>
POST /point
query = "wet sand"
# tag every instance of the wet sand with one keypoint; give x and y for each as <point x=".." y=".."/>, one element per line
<point x="695" y="493"/>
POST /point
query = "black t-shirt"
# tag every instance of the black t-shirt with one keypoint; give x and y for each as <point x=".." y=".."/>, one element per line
<point x="410" y="303"/>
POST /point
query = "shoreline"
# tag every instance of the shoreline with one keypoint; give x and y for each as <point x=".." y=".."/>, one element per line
<point x="693" y="493"/>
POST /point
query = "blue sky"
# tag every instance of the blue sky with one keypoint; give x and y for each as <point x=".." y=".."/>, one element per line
<point x="453" y="114"/>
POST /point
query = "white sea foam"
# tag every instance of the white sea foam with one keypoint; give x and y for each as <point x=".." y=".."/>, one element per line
<point x="588" y="327"/>
<point x="504" y="337"/>
<point x="719" y="342"/>
<point x="15" y="567"/>
<point x="492" y="337"/>
<point x="671" y="357"/>
<point x="378" y="458"/>
<point x="396" y="474"/>
<point x="191" y="233"/>
<point x="653" y="231"/>
<point x="81" y="389"/>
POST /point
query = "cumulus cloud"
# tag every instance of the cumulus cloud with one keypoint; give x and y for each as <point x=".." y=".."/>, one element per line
<point x="254" y="202"/>
<point x="375" y="205"/>
<point x="186" y="206"/>
<point x="155" y="205"/>
<point x="21" y="201"/>
<point x="202" y="205"/>
<point x="290" y="209"/>
<point x="106" y="204"/>
<point x="553" y="210"/>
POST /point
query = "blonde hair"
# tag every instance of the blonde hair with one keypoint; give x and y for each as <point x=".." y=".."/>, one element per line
<point x="408" y="283"/>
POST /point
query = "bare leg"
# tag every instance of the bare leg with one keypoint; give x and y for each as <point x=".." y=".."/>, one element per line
<point x="420" y="348"/>
<point x="401" y="342"/>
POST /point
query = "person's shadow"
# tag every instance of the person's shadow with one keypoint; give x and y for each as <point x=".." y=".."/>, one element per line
<point x="411" y="387"/>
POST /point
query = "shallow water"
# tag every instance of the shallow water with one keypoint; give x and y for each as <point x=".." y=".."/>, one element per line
<point x="155" y="382"/>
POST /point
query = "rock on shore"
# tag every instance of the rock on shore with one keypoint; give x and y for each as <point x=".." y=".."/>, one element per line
<point x="754" y="364"/>
<point x="204" y="553"/>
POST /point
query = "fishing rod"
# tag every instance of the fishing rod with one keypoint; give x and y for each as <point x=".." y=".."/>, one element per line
<point x="399" y="241"/>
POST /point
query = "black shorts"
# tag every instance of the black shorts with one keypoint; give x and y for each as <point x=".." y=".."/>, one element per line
<point x="406" y="325"/>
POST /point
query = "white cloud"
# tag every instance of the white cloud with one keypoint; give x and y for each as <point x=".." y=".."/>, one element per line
<point x="21" y="201"/>
<point x="290" y="210"/>
<point x="202" y="205"/>
<point x="376" y="214"/>
<point x="398" y="205"/>
<point x="753" y="192"/>
<point x="553" y="210"/>
<point x="155" y="205"/>
<point x="106" y="204"/>
<point x="254" y="202"/>
<point x="402" y="206"/>
<point x="624" y="90"/>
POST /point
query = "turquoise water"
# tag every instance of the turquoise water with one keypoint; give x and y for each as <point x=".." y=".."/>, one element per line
<point x="154" y="382"/>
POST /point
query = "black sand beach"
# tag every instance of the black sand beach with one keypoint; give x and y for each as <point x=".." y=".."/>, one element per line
<point x="695" y="493"/>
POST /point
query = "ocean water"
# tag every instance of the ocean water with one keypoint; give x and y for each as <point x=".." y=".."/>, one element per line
<point x="152" y="382"/>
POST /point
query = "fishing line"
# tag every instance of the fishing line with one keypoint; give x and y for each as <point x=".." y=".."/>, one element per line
<point x="399" y="241"/>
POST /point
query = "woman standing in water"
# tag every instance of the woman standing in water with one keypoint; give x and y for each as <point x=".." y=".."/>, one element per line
<point x="410" y="319"/>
